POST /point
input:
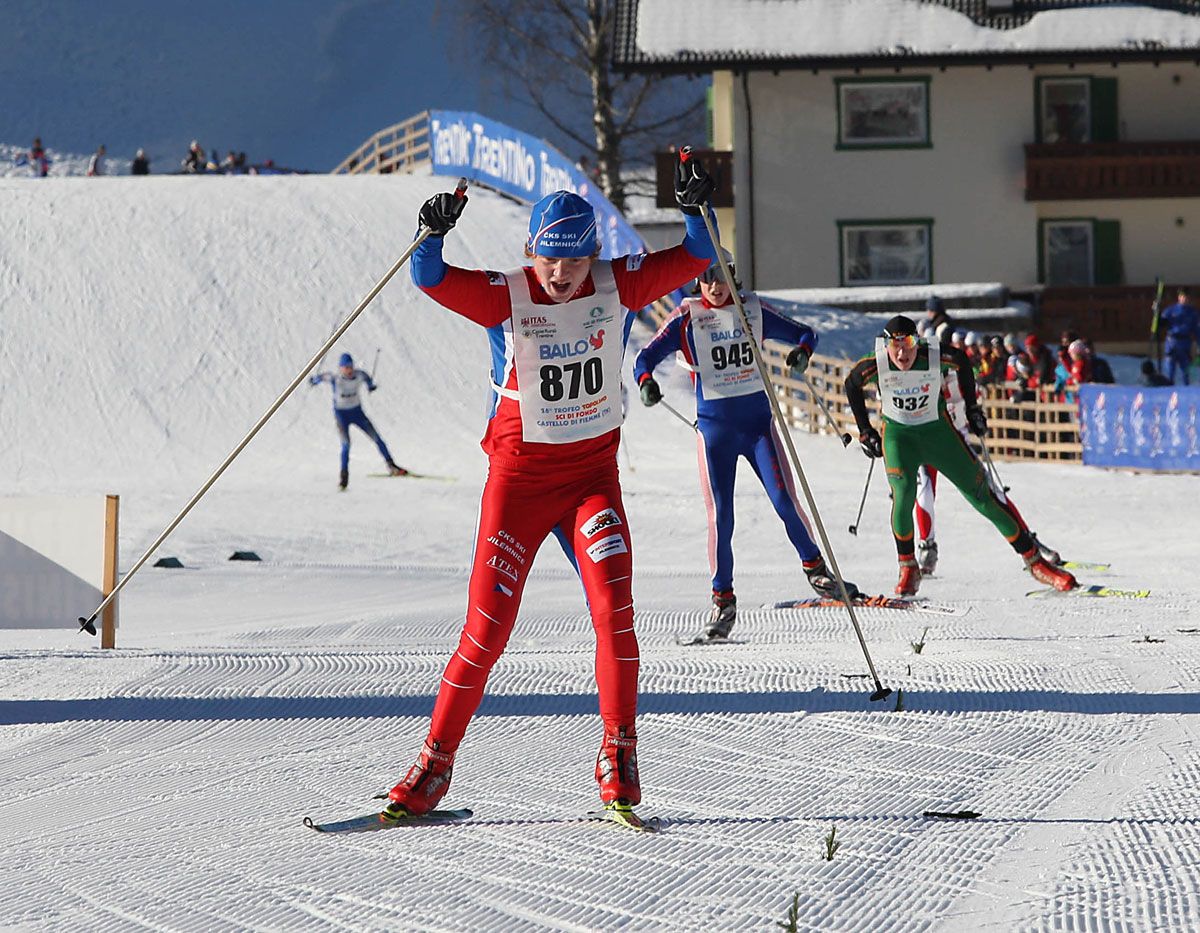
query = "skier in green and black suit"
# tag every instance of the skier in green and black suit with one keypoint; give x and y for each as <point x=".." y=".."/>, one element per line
<point x="909" y="373"/>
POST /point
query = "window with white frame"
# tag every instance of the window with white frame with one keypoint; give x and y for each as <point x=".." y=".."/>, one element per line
<point x="1065" y="110"/>
<point x="886" y="252"/>
<point x="1068" y="252"/>
<point x="885" y="113"/>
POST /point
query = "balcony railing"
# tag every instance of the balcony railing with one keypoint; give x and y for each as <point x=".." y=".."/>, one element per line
<point x="1083" y="171"/>
<point x="1110" y="314"/>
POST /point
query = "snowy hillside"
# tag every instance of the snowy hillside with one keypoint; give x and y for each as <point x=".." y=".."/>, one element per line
<point x="145" y="326"/>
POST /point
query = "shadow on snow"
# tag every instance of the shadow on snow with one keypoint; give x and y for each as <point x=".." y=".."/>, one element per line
<point x="233" y="709"/>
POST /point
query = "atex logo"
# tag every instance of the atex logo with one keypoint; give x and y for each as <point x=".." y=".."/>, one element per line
<point x="500" y="564"/>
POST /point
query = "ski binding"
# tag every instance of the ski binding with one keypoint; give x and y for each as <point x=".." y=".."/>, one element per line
<point x="623" y="815"/>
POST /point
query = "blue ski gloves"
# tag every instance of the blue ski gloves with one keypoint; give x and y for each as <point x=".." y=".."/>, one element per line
<point x="650" y="392"/>
<point x="871" y="443"/>
<point x="441" y="212"/>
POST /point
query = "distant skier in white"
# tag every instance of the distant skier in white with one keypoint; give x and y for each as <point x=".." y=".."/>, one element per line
<point x="347" y="382"/>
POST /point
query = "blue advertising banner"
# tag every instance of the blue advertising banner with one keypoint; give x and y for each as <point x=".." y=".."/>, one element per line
<point x="482" y="150"/>
<point x="1150" y="429"/>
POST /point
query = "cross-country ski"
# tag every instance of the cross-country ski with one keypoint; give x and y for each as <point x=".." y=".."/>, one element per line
<point x="370" y="822"/>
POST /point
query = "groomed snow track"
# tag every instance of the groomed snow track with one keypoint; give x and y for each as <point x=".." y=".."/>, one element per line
<point x="162" y="785"/>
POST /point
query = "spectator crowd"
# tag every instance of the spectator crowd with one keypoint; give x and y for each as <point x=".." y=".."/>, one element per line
<point x="195" y="162"/>
<point x="1027" y="367"/>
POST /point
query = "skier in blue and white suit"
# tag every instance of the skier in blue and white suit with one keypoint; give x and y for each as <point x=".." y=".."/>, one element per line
<point x="347" y="383"/>
<point x="734" y="419"/>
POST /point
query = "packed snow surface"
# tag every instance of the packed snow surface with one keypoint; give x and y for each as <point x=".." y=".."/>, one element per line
<point x="823" y="28"/>
<point x="161" y="785"/>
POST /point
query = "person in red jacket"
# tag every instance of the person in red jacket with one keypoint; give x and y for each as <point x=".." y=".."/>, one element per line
<point x="557" y="328"/>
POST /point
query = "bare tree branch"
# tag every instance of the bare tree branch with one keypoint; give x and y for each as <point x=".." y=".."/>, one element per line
<point x="540" y="103"/>
<point x="680" y="117"/>
<point x="551" y="55"/>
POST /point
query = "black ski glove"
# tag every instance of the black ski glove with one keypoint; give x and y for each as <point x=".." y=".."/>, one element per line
<point x="693" y="186"/>
<point x="797" y="360"/>
<point x="441" y="212"/>
<point x="977" y="421"/>
<point x="871" y="443"/>
<point x="651" y="393"/>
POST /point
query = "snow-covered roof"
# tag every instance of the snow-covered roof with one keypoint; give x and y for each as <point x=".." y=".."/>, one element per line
<point x="698" y="35"/>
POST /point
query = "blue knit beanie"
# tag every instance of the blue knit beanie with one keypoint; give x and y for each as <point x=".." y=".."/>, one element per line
<point x="562" y="225"/>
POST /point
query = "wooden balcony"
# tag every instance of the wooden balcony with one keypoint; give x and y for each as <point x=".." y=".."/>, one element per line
<point x="1118" y="316"/>
<point x="1090" y="171"/>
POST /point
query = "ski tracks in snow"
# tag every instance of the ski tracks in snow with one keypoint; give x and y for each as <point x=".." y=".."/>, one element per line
<point x="751" y="754"/>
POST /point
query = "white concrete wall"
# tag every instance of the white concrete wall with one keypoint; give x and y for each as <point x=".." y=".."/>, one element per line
<point x="971" y="182"/>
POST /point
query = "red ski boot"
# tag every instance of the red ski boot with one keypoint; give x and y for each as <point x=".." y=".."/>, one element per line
<point x="1046" y="572"/>
<point x="424" y="786"/>
<point x="616" y="767"/>
<point x="910" y="577"/>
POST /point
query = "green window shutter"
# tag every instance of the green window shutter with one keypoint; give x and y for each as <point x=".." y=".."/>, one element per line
<point x="1104" y="110"/>
<point x="1106" y="244"/>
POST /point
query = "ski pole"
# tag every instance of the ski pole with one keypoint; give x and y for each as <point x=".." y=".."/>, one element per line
<point x="866" y="486"/>
<point x="987" y="458"/>
<point x="881" y="692"/>
<point x="1155" y="348"/>
<point x="375" y="364"/>
<point x="88" y="624"/>
<point x="690" y="424"/>
<point x="825" y="409"/>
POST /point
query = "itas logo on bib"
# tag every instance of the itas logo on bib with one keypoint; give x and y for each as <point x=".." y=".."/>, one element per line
<point x="598" y="522"/>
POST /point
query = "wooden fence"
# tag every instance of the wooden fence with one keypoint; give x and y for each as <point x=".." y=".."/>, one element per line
<point x="397" y="148"/>
<point x="1044" y="429"/>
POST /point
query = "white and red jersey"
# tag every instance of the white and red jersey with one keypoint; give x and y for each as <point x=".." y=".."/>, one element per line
<point x="487" y="299"/>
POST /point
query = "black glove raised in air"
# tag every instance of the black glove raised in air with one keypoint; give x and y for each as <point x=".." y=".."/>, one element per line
<point x="693" y="186"/>
<point x="441" y="212"/>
